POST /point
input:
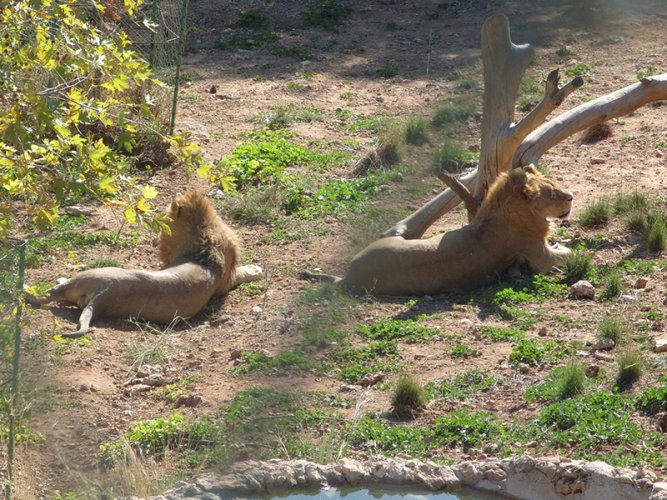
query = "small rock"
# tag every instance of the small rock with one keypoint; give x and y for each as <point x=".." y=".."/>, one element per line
<point x="583" y="290"/>
<point x="137" y="389"/>
<point x="470" y="473"/>
<point x="420" y="355"/>
<point x="641" y="282"/>
<point x="524" y="368"/>
<point x="543" y="332"/>
<point x="189" y="401"/>
<point x="212" y="89"/>
<point x="371" y="379"/>
<point x="598" y="161"/>
<point x="661" y="421"/>
<point x="347" y="388"/>
<point x="235" y="354"/>
<point x="603" y="344"/>
<point x="660" y="345"/>
<point x="627" y="299"/>
<point x="78" y="210"/>
<point x="603" y="356"/>
<point x="592" y="371"/>
<point x="256" y="310"/>
<point x="155" y="379"/>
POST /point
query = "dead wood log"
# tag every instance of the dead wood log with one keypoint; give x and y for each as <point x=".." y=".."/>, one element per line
<point x="505" y="144"/>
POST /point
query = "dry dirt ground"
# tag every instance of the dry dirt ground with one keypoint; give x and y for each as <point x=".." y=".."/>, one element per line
<point x="78" y="393"/>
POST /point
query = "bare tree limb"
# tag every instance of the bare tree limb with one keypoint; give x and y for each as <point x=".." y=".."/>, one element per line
<point x="472" y="205"/>
<point x="604" y="108"/>
<point x="553" y="97"/>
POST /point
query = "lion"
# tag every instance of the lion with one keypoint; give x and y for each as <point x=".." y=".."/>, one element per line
<point x="200" y="256"/>
<point x="509" y="228"/>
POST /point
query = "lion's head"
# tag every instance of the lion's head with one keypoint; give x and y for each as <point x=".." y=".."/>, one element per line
<point x="528" y="199"/>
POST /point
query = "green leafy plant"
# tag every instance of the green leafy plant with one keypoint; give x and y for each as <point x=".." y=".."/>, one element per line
<point x="499" y="334"/>
<point x="463" y="385"/>
<point x="373" y="435"/>
<point x="579" y="69"/>
<point x="461" y="351"/>
<point x="282" y="364"/>
<point x="646" y="73"/>
<point x="466" y="429"/>
<point x="327" y="14"/>
<point x="407" y="330"/>
<point x="653" y="399"/>
<point x="537" y="352"/>
<point x="352" y="364"/>
<point x="389" y="69"/>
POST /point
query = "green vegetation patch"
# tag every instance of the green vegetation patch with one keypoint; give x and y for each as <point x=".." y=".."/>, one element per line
<point x="466" y="429"/>
<point x="653" y="399"/>
<point x="407" y="330"/>
<point x="374" y="435"/>
<point x="499" y="333"/>
<point x="282" y="364"/>
<point x="327" y="14"/>
<point x="463" y="385"/>
<point x="353" y="363"/>
<point x="539" y="352"/>
<point x="562" y="383"/>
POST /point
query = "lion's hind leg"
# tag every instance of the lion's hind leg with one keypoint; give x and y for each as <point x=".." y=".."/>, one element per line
<point x="94" y="307"/>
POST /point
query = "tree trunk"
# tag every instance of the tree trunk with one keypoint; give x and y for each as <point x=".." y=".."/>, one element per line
<point x="505" y="144"/>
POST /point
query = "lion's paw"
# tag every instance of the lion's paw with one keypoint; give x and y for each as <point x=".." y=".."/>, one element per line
<point x="250" y="272"/>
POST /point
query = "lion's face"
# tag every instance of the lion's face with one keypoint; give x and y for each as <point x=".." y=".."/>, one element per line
<point x="542" y="194"/>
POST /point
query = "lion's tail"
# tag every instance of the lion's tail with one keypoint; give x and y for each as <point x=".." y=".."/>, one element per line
<point x="321" y="277"/>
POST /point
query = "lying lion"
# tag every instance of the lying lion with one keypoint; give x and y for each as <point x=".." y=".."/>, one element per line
<point x="200" y="259"/>
<point x="510" y="227"/>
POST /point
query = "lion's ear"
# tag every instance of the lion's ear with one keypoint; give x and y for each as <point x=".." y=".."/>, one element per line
<point x="526" y="191"/>
<point x="530" y="169"/>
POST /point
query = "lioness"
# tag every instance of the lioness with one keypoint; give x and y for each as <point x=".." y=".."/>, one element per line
<point x="509" y="227"/>
<point x="200" y="256"/>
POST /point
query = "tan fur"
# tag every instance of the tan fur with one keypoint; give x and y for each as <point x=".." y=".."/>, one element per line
<point x="510" y="227"/>
<point x="200" y="257"/>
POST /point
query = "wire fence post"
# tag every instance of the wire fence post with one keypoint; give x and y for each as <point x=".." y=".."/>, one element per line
<point x="16" y="363"/>
<point x="177" y="76"/>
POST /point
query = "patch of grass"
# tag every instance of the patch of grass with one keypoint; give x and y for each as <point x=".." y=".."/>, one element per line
<point x="461" y="351"/>
<point x="295" y="86"/>
<point x="577" y="265"/>
<point x="389" y="69"/>
<point x="624" y="204"/>
<point x="562" y="383"/>
<point x="462" y="428"/>
<point x="416" y="131"/>
<point x="468" y="77"/>
<point x="539" y="352"/>
<point x="451" y="112"/>
<point x="563" y="51"/>
<point x="597" y="214"/>
<point x="500" y="334"/>
<point x="327" y="14"/>
<point x="352" y="364"/>
<point x="654" y="232"/>
<point x="255" y="19"/>
<point x="296" y="51"/>
<point x="407" y="396"/>
<point x="283" y="116"/>
<point x="579" y="69"/>
<point x="321" y="311"/>
<point x="407" y="330"/>
<point x="612" y="328"/>
<point x="452" y="157"/>
<point x="348" y="95"/>
<point x="66" y="240"/>
<point x="283" y="364"/>
<point x="245" y="41"/>
<point x="613" y="285"/>
<point x="536" y="288"/>
<point x="102" y="262"/>
<point x="375" y="436"/>
<point x="630" y="368"/>
<point x="646" y="73"/>
<point x="463" y="385"/>
<point x="529" y="93"/>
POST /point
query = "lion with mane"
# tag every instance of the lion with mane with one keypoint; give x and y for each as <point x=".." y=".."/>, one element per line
<point x="509" y="228"/>
<point x="200" y="256"/>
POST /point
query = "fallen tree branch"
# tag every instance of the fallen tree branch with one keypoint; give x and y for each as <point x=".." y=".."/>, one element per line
<point x="619" y="103"/>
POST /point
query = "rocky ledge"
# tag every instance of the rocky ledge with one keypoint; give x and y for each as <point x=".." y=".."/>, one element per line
<point x="522" y="477"/>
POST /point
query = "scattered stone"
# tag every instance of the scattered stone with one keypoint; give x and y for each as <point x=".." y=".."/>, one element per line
<point x="256" y="310"/>
<point x="602" y="356"/>
<point x="137" y="389"/>
<point x="598" y="161"/>
<point x="660" y="345"/>
<point x="592" y="371"/>
<point x="583" y="290"/>
<point x="212" y="89"/>
<point x="371" y="379"/>
<point x="641" y="283"/>
<point x="155" y="379"/>
<point x="470" y="473"/>
<point x="79" y="210"/>
<point x="661" y="421"/>
<point x="603" y="344"/>
<point x="347" y="388"/>
<point x="235" y="354"/>
<point x="627" y="299"/>
<point x="188" y="401"/>
<point x="524" y="368"/>
<point x="543" y="332"/>
<point x="418" y="356"/>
